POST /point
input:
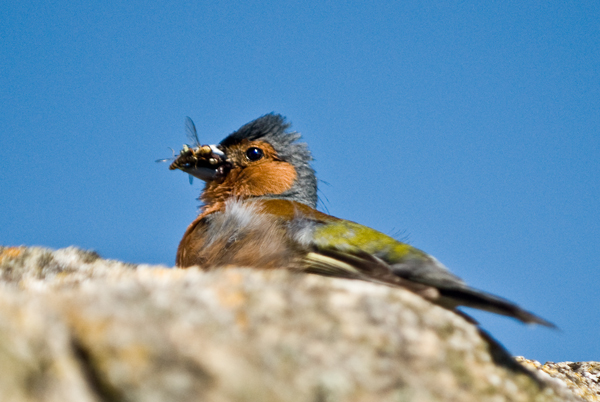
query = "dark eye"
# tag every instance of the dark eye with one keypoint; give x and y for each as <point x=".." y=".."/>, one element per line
<point x="254" y="154"/>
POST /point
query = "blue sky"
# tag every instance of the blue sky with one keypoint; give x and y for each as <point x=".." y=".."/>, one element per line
<point x="472" y="129"/>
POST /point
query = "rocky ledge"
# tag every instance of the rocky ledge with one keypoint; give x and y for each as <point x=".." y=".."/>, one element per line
<point x="76" y="327"/>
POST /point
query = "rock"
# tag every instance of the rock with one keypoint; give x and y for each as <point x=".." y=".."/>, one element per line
<point x="583" y="378"/>
<point x="75" y="327"/>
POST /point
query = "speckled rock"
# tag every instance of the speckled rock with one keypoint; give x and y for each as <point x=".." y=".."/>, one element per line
<point x="75" y="327"/>
<point x="583" y="378"/>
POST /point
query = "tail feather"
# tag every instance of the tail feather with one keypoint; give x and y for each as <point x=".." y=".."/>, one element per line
<point x="431" y="282"/>
<point x="463" y="296"/>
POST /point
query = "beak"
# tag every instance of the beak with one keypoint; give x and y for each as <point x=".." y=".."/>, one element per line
<point x="206" y="162"/>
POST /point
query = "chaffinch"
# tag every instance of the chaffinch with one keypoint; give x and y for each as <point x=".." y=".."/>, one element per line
<point x="259" y="210"/>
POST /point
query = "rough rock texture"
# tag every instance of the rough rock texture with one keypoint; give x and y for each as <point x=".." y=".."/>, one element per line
<point x="583" y="378"/>
<point x="75" y="327"/>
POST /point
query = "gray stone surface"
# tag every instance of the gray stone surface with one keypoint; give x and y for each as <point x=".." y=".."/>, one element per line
<point x="75" y="327"/>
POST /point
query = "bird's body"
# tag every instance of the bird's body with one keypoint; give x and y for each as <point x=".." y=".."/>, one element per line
<point x="254" y="233"/>
<point x="259" y="211"/>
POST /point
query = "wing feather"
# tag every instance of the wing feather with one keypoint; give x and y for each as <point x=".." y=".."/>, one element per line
<point x="365" y="254"/>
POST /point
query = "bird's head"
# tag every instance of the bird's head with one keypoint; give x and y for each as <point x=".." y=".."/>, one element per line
<point x="261" y="159"/>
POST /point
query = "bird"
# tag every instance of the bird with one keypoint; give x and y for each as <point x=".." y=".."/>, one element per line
<point x="259" y="210"/>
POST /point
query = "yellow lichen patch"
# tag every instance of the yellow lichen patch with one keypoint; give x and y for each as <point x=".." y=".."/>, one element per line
<point x="94" y="333"/>
<point x="63" y="276"/>
<point x="230" y="298"/>
<point x="241" y="319"/>
<point x="10" y="253"/>
<point x="86" y="327"/>
<point x="234" y="277"/>
<point x="137" y="355"/>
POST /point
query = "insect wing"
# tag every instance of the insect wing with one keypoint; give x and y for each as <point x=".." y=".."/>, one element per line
<point x="167" y="159"/>
<point x="190" y="131"/>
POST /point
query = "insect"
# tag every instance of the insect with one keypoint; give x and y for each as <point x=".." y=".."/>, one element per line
<point x="193" y="159"/>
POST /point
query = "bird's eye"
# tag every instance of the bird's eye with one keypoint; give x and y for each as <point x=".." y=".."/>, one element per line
<point x="254" y="154"/>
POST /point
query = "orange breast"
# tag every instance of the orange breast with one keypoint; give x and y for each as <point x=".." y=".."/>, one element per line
<point x="245" y="234"/>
